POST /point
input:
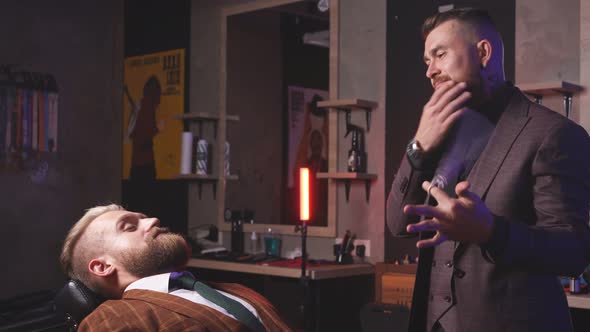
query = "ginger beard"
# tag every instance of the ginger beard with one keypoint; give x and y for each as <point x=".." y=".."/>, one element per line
<point x="163" y="252"/>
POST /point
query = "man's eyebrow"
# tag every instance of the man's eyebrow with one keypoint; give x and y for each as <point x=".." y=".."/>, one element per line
<point x="124" y="218"/>
<point x="433" y="51"/>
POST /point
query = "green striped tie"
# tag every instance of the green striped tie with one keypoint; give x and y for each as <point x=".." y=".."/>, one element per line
<point x="187" y="281"/>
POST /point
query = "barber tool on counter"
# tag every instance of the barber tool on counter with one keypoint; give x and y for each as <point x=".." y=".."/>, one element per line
<point x="254" y="243"/>
<point x="343" y="250"/>
<point x="237" y="229"/>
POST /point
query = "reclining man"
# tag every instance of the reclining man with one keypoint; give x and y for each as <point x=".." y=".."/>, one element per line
<point x="127" y="258"/>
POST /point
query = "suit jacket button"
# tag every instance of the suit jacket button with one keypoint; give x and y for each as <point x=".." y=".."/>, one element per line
<point x="449" y="264"/>
<point x="447" y="299"/>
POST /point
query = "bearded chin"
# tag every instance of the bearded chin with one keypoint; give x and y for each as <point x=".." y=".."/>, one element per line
<point x="165" y="253"/>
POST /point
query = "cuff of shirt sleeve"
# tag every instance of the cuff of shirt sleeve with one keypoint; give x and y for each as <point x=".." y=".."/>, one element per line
<point x="494" y="248"/>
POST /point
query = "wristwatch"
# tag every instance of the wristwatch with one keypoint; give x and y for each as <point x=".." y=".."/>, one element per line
<point x="415" y="154"/>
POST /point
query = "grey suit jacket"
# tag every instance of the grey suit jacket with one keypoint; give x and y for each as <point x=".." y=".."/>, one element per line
<point x="534" y="176"/>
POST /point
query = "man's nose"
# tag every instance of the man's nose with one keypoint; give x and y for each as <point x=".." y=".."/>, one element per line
<point x="148" y="223"/>
<point x="432" y="70"/>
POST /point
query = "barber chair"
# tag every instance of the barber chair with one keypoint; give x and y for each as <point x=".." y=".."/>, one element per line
<point x="48" y="310"/>
<point x="74" y="302"/>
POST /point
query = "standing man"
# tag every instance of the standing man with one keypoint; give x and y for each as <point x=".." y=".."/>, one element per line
<point x="129" y="259"/>
<point x="510" y="181"/>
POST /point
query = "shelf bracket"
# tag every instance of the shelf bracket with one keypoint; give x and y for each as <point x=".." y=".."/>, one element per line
<point x="214" y="189"/>
<point x="367" y="190"/>
<point x="538" y="98"/>
<point x="368" y="117"/>
<point x="347" y="189"/>
<point x="348" y="117"/>
<point x="567" y="104"/>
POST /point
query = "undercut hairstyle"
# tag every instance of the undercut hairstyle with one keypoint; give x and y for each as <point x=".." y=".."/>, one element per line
<point x="79" y="247"/>
<point x="477" y="19"/>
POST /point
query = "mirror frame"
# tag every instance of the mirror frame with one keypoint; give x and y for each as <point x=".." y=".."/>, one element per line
<point x="319" y="231"/>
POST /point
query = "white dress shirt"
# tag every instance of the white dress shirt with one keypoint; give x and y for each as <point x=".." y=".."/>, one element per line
<point x="159" y="283"/>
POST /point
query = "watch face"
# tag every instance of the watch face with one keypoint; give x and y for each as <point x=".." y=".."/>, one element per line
<point x="227" y="214"/>
<point x="414" y="150"/>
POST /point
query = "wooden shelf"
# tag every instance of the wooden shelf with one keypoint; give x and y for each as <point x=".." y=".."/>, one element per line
<point x="202" y="117"/>
<point x="352" y="104"/>
<point x="550" y="88"/>
<point x="540" y="90"/>
<point x="206" y="117"/>
<point x="348" y="105"/>
<point x="205" y="178"/>
<point x="346" y="177"/>
<point x="314" y="272"/>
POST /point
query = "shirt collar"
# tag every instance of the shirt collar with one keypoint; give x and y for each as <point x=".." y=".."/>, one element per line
<point x="158" y="283"/>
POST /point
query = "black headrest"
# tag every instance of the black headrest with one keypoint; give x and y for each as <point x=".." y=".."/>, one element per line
<point x="75" y="301"/>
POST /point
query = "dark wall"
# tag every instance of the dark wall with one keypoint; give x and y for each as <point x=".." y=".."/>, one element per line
<point x="408" y="89"/>
<point x="80" y="43"/>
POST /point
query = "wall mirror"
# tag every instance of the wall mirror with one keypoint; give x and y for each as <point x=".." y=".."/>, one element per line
<point x="277" y="59"/>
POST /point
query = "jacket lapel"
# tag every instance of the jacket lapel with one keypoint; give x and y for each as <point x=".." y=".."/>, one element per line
<point x="509" y="126"/>
<point x="184" y="307"/>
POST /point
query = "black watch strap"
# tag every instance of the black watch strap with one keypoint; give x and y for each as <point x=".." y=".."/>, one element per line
<point x="417" y="157"/>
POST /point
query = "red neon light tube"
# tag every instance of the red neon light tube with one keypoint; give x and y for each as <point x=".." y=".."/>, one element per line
<point x="304" y="194"/>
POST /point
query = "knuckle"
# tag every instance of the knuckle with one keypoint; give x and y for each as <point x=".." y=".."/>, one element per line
<point x="455" y="207"/>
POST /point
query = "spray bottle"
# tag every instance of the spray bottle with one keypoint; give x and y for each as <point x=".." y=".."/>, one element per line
<point x="357" y="158"/>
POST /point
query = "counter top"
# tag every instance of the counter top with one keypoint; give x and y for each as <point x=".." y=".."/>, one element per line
<point x="581" y="301"/>
<point x="314" y="272"/>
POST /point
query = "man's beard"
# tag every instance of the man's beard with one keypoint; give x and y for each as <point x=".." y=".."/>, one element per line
<point x="164" y="253"/>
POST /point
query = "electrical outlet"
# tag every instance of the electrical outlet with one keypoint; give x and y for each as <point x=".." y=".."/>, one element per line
<point x="357" y="242"/>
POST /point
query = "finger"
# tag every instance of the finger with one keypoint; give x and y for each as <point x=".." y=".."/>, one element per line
<point x="453" y="117"/>
<point x="456" y="104"/>
<point x="461" y="187"/>
<point x="428" y="225"/>
<point x="422" y="210"/>
<point x="462" y="191"/>
<point x="435" y="192"/>
<point x="437" y="239"/>
<point x="442" y="88"/>
<point x="451" y="94"/>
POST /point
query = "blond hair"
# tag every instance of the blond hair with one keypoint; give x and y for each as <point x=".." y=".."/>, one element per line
<point x="79" y="247"/>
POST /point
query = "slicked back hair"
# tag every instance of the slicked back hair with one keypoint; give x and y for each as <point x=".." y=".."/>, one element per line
<point x="477" y="19"/>
<point x="78" y="247"/>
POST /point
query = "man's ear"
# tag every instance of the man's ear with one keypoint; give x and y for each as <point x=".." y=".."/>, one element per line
<point x="101" y="267"/>
<point x="484" y="52"/>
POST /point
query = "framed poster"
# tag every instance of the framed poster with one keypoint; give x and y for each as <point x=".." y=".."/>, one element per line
<point x="153" y="97"/>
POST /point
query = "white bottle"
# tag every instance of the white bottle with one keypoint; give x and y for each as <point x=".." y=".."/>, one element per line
<point x="254" y="243"/>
